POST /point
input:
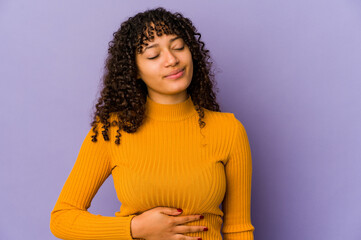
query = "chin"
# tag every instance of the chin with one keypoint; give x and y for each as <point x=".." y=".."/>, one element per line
<point x="178" y="86"/>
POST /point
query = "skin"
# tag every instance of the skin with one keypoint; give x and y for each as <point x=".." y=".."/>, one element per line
<point x="169" y="57"/>
<point x="164" y="223"/>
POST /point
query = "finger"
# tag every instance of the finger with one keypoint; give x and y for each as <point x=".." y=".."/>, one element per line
<point x="170" y="211"/>
<point x="189" y="229"/>
<point x="184" y="219"/>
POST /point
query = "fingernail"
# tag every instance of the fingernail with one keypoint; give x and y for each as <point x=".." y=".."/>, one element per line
<point x="205" y="229"/>
<point x="179" y="210"/>
<point x="199" y="238"/>
<point x="201" y="217"/>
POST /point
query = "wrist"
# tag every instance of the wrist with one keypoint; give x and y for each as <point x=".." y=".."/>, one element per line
<point x="135" y="228"/>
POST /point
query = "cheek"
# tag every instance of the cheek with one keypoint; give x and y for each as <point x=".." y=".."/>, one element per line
<point x="189" y="59"/>
<point x="149" y="69"/>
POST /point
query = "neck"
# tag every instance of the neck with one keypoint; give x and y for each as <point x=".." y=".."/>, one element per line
<point x="170" y="112"/>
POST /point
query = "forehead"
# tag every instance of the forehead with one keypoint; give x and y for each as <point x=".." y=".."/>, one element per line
<point x="164" y="37"/>
<point x="152" y="33"/>
<point x="158" y="39"/>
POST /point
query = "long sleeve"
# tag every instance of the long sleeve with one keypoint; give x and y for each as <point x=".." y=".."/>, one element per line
<point x="70" y="218"/>
<point x="236" y="204"/>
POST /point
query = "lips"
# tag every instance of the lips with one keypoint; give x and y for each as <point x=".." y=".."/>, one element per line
<point x="174" y="72"/>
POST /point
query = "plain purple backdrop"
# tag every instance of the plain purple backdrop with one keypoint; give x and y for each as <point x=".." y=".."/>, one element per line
<point x="289" y="70"/>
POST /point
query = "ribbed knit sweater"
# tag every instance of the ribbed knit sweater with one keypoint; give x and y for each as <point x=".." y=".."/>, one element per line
<point x="169" y="161"/>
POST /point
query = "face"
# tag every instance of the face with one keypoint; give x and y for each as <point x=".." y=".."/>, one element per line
<point x="163" y="56"/>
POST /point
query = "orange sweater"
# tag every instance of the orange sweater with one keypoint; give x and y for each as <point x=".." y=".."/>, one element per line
<point x="168" y="162"/>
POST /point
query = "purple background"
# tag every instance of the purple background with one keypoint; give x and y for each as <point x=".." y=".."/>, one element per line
<point x="289" y="70"/>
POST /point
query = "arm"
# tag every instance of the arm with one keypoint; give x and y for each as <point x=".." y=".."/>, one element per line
<point x="237" y="201"/>
<point x="70" y="218"/>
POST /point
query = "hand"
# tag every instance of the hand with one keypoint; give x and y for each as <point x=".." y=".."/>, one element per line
<point x="155" y="224"/>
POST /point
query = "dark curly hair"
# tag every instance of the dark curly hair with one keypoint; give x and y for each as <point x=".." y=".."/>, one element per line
<point x="125" y="95"/>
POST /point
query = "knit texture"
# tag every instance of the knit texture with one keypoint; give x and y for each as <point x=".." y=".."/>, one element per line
<point x="168" y="162"/>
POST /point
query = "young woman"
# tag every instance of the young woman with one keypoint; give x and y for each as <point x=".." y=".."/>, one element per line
<point x="174" y="157"/>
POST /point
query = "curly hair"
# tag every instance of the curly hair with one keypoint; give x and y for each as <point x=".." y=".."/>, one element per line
<point x="125" y="95"/>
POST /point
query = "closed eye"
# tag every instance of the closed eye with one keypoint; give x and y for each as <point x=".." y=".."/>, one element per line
<point x="174" y="49"/>
<point x="153" y="57"/>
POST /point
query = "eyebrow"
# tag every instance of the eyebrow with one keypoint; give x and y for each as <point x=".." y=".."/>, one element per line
<point x="154" y="45"/>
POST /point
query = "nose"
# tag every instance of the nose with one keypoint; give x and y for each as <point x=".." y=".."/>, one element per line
<point x="171" y="59"/>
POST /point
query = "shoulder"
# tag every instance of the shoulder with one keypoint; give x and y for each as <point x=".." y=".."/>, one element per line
<point x="226" y="119"/>
<point x="227" y="123"/>
<point x="99" y="127"/>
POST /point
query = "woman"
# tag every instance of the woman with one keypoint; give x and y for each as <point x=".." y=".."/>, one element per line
<point x="174" y="157"/>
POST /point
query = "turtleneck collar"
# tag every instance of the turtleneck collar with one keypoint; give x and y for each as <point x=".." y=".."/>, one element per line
<point x="170" y="112"/>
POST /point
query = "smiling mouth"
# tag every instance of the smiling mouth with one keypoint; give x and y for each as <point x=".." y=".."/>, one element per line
<point x="176" y="75"/>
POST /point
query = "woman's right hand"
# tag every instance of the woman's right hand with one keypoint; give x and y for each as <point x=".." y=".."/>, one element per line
<point x="155" y="224"/>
